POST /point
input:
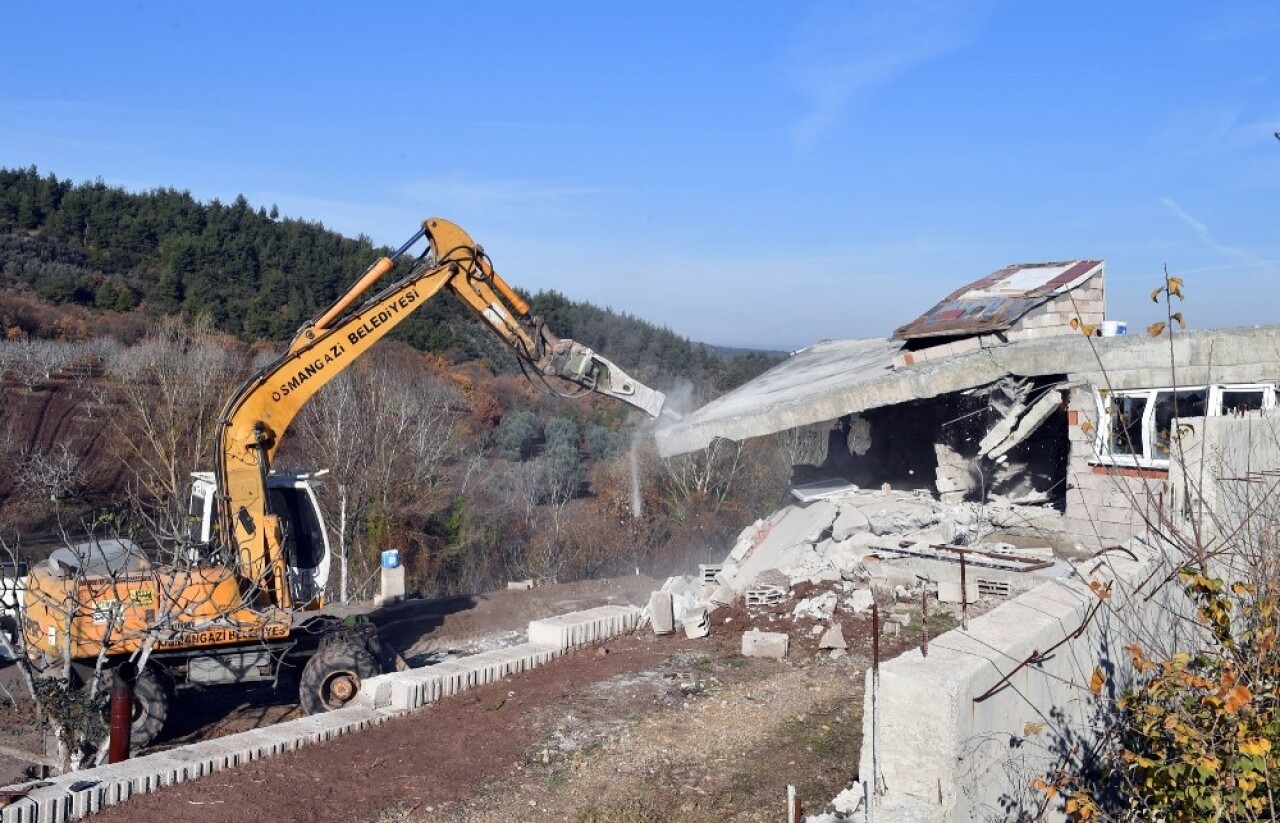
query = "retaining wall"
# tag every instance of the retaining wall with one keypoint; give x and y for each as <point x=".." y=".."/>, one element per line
<point x="944" y="740"/>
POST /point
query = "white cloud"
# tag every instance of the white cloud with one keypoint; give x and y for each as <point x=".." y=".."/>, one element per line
<point x="840" y="53"/>
<point x="1201" y="232"/>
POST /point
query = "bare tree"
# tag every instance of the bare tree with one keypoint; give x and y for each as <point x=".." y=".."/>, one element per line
<point x="385" y="432"/>
<point x="707" y="476"/>
<point x="173" y="385"/>
<point x="55" y="473"/>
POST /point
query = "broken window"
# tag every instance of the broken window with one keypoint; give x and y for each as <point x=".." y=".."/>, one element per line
<point x="1139" y="427"/>
<point x="1126" y="423"/>
<point x="1167" y="407"/>
<point x="1240" y="402"/>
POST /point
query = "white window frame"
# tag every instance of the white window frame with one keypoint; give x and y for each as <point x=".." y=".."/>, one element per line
<point x="1102" y="439"/>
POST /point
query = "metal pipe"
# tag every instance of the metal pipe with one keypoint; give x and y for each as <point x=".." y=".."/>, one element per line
<point x="124" y="676"/>
<point x="924" y="621"/>
<point x="875" y="694"/>
<point x="964" y="593"/>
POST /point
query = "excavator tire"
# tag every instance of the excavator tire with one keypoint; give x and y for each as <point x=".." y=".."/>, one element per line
<point x="150" y="709"/>
<point x="332" y="677"/>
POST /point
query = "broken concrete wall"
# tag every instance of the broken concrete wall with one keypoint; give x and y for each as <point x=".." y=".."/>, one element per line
<point x="1085" y="303"/>
<point x="1007" y="438"/>
<point x="1226" y="473"/>
<point x="945" y="740"/>
<point x="1106" y="504"/>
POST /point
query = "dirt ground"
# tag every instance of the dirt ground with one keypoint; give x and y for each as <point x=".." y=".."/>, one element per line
<point x="641" y="729"/>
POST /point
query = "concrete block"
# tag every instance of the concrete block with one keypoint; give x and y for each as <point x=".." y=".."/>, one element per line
<point x="375" y="692"/>
<point x="392" y="586"/>
<point x="661" y="613"/>
<point x="949" y="591"/>
<point x="1109" y="514"/>
<point x="756" y="643"/>
<point x="833" y="637"/>
<point x="520" y="585"/>
<point x="697" y="623"/>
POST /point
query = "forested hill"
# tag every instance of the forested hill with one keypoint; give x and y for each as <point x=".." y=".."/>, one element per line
<point x="257" y="276"/>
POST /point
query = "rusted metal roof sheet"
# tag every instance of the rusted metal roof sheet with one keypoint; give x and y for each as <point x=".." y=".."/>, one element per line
<point x="998" y="300"/>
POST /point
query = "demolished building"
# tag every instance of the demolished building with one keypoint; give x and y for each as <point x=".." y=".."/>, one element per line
<point x="1015" y="388"/>
<point x="1012" y="404"/>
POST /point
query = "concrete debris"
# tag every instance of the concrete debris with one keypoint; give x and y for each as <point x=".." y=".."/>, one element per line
<point x="848" y="801"/>
<point x="686" y="594"/>
<point x="846" y="558"/>
<point x="756" y="643"/>
<point x="723" y="596"/>
<point x="697" y="623"/>
<point x="812" y="567"/>
<point x="848" y="522"/>
<point x="833" y="637"/>
<point x="860" y="601"/>
<point x="901" y="618"/>
<point x="821" y="607"/>
<point x="904" y="515"/>
<point x="662" y="612"/>
<point x="1039" y="412"/>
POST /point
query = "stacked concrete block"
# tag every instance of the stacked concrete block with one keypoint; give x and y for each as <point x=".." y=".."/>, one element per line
<point x="413" y="689"/>
<point x="954" y="474"/>
<point x="584" y="627"/>
<point x="1106" y="504"/>
<point x="1083" y="304"/>
<point x="944" y="350"/>
<point x="78" y="794"/>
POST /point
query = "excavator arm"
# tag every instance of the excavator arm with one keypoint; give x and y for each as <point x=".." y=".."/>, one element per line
<point x="257" y="415"/>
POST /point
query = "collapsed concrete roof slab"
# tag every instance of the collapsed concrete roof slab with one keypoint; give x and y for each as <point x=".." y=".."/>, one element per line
<point x="834" y="378"/>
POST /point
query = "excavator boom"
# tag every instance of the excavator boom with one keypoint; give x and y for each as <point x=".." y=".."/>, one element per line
<point x="257" y="415"/>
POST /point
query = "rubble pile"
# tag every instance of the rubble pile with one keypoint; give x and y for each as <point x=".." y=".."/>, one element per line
<point x="808" y="565"/>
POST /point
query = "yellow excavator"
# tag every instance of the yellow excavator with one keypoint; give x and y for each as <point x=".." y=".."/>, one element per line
<point x="248" y="602"/>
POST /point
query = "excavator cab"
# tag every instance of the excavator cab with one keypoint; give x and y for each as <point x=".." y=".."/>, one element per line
<point x="291" y="496"/>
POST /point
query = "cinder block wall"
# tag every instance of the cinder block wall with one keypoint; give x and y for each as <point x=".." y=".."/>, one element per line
<point x="1106" y="505"/>
<point x="959" y="735"/>
<point x="1084" y="303"/>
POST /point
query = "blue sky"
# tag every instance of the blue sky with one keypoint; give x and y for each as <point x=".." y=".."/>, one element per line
<point x="746" y="173"/>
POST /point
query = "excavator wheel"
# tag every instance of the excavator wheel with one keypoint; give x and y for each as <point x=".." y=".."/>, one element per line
<point x="151" y="698"/>
<point x="150" y="709"/>
<point x="332" y="677"/>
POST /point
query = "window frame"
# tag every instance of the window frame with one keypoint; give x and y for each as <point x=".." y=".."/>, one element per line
<point x="1103" y="405"/>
